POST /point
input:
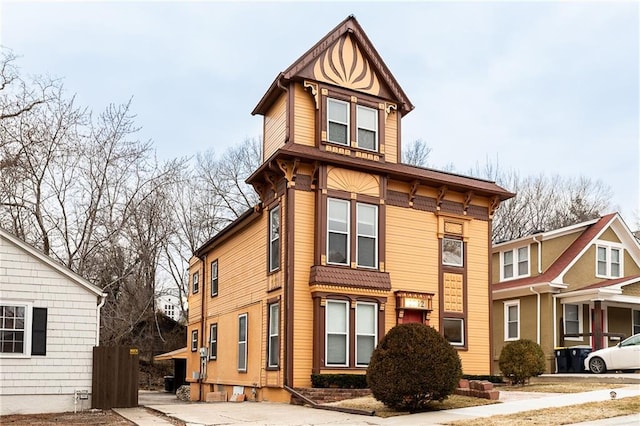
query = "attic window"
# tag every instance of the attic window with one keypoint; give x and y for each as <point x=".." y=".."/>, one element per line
<point x="352" y="122"/>
<point x="338" y="121"/>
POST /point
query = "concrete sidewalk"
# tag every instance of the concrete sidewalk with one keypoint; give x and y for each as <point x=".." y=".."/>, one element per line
<point x="263" y="413"/>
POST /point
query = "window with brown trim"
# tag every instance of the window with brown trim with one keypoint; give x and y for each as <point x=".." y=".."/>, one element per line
<point x="348" y="120"/>
<point x="194" y="340"/>
<point x="453" y="330"/>
<point x="340" y="334"/>
<point x="195" y="286"/>
<point x="273" y="344"/>
<point x="339" y="233"/>
<point x="274" y="239"/>
<point x="242" y="342"/>
<point x="214" y="278"/>
<point x="213" y="341"/>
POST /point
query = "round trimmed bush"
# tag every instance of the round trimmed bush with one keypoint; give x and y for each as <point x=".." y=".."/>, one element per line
<point x="413" y="365"/>
<point x="521" y="360"/>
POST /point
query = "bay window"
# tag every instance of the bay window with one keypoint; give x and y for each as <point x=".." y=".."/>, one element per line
<point x="339" y="231"/>
<point x="337" y="335"/>
<point x="366" y="332"/>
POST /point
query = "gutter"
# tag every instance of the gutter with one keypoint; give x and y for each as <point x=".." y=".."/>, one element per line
<point x="103" y="296"/>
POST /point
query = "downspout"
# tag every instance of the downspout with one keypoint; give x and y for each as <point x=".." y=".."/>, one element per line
<point x="537" y="314"/>
<point x="202" y="311"/>
<point x="100" y="305"/>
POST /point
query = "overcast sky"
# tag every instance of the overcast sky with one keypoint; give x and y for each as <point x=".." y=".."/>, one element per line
<point x="541" y="87"/>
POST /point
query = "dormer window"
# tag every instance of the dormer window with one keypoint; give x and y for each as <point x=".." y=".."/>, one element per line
<point x="608" y="261"/>
<point x="514" y="263"/>
<point x="367" y="137"/>
<point x="338" y="121"/>
<point x="352" y="124"/>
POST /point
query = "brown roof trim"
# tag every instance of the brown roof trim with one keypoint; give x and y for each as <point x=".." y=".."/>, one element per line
<point x="344" y="277"/>
<point x="397" y="171"/>
<point x="349" y="25"/>
<point x="240" y="222"/>
<point x="565" y="258"/>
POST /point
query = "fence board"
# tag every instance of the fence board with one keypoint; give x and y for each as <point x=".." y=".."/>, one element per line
<point x="115" y="377"/>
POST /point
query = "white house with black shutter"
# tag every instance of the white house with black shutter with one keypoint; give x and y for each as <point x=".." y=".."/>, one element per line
<point x="49" y="324"/>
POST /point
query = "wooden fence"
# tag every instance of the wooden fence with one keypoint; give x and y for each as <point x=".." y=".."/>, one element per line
<point x="115" y="377"/>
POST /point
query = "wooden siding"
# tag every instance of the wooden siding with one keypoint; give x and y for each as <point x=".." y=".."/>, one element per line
<point x="47" y="383"/>
<point x="275" y="127"/>
<point x="304" y="121"/>
<point x="477" y="360"/>
<point x="391" y="138"/>
<point x="412" y="257"/>
<point x="303" y="304"/>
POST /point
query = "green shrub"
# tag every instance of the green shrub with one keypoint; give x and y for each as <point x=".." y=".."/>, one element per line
<point x="484" y="377"/>
<point x="342" y="381"/>
<point x="521" y="360"/>
<point x="413" y="365"/>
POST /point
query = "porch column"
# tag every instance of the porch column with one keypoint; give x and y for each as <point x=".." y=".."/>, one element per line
<point x="597" y="325"/>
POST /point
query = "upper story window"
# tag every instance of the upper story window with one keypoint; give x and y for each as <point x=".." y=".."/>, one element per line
<point x="608" y="261"/>
<point x="367" y="122"/>
<point x="274" y="239"/>
<point x="214" y="278"/>
<point x="348" y="122"/>
<point x="452" y="252"/>
<point x="514" y="263"/>
<point x="339" y="231"/>
<point x="338" y="121"/>
<point x="195" y="285"/>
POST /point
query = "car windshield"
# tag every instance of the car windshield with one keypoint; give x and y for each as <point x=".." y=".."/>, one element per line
<point x="631" y="341"/>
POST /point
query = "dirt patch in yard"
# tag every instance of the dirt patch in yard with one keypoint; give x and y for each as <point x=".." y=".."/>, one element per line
<point x="82" y="418"/>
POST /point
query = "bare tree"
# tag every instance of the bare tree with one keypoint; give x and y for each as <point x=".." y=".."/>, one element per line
<point x="416" y="153"/>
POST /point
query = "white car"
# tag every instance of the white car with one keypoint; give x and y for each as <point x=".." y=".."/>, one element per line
<point x="623" y="356"/>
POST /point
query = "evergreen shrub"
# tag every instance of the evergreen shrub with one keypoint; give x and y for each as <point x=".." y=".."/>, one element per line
<point x="412" y="366"/>
<point x="521" y="360"/>
<point x="342" y="381"/>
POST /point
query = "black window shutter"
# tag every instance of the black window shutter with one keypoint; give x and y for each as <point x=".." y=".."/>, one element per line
<point x="39" y="332"/>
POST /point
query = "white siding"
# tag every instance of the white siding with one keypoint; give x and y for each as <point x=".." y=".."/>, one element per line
<point x="50" y="380"/>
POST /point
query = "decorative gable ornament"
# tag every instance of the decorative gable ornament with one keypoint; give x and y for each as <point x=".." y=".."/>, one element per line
<point x="344" y="65"/>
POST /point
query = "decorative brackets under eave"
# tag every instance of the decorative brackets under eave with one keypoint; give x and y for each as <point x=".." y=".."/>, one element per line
<point x="271" y="179"/>
<point x="289" y="169"/>
<point x="495" y="202"/>
<point x="412" y="191"/>
<point x="388" y="107"/>
<point x="441" y="193"/>
<point x="261" y="189"/>
<point x="467" y="200"/>
<point x="313" y="88"/>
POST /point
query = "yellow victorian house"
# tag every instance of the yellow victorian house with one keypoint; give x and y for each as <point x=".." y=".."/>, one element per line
<point x="346" y="241"/>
